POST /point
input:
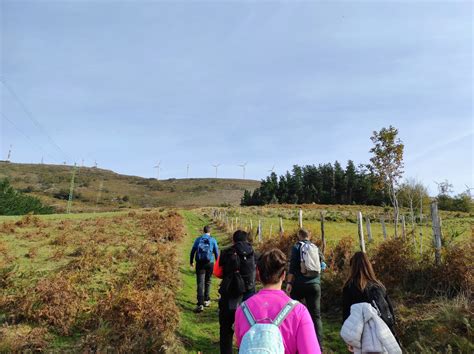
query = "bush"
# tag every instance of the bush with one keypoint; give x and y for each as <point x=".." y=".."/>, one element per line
<point x="13" y="202"/>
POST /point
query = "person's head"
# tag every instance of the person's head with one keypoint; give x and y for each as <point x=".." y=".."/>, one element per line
<point x="362" y="271"/>
<point x="240" y="236"/>
<point x="207" y="229"/>
<point x="271" y="266"/>
<point x="303" y="234"/>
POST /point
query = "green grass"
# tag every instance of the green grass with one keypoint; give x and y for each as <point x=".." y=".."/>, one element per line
<point x="198" y="332"/>
<point x="341" y="222"/>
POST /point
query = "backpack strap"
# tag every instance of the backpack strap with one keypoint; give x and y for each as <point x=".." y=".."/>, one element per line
<point x="248" y="314"/>
<point x="285" y="311"/>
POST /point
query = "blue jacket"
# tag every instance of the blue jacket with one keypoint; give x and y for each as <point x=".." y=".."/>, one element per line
<point x="214" y="248"/>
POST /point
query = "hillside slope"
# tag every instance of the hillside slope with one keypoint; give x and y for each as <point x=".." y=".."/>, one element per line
<point x="51" y="184"/>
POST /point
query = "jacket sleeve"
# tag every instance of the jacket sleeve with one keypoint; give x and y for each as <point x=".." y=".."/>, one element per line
<point x="193" y="251"/>
<point x="306" y="340"/>
<point x="294" y="260"/>
<point x="353" y="327"/>
<point x="390" y="307"/>
<point x="215" y="249"/>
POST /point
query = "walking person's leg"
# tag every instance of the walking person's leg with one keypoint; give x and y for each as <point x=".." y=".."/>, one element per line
<point x="313" y="303"/>
<point x="207" y="289"/>
<point x="200" y="278"/>
<point x="226" y="332"/>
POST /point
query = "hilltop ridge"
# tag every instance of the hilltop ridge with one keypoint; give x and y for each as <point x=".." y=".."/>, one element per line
<point x="51" y="184"/>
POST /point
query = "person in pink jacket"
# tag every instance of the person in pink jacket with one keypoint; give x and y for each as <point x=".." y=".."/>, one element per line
<point x="297" y="329"/>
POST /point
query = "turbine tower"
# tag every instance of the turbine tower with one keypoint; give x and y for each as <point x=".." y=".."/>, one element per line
<point x="9" y="153"/>
<point x="216" y="166"/>
<point x="243" y="169"/>
<point x="158" y="169"/>
<point x="187" y="171"/>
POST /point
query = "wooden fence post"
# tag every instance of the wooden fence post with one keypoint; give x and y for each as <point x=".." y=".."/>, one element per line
<point x="436" y="231"/>
<point x="384" y="229"/>
<point x="259" y="231"/>
<point x="323" y="238"/>
<point x="281" y="227"/>
<point x="369" y="229"/>
<point x="300" y="218"/>
<point x="404" y="230"/>
<point x="360" y="222"/>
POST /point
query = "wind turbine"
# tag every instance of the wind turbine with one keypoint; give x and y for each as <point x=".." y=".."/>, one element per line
<point x="216" y="167"/>
<point x="272" y="170"/>
<point x="158" y="170"/>
<point x="187" y="171"/>
<point x="243" y="168"/>
<point x="9" y="153"/>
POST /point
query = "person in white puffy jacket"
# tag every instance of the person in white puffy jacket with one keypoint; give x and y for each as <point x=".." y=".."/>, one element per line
<point x="365" y="332"/>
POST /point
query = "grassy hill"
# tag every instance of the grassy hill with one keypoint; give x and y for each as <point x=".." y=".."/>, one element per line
<point x="51" y="184"/>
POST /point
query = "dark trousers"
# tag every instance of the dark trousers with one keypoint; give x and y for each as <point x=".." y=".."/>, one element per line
<point x="311" y="293"/>
<point x="203" y="278"/>
<point x="226" y="326"/>
<point x="227" y="319"/>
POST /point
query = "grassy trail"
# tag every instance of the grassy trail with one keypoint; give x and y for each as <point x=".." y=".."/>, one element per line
<point x="198" y="332"/>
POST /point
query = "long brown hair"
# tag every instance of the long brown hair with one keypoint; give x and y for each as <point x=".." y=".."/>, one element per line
<point x="362" y="272"/>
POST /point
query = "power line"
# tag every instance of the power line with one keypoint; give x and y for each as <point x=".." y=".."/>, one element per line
<point x="26" y="135"/>
<point x="31" y="117"/>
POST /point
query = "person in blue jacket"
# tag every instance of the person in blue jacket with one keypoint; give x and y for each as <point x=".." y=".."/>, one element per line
<point x="205" y="252"/>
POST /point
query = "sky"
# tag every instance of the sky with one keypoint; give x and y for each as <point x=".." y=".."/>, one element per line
<point x="132" y="83"/>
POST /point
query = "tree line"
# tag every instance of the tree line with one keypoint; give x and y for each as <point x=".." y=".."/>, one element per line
<point x="323" y="184"/>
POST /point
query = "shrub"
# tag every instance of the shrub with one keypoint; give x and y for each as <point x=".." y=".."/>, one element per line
<point x="13" y="202"/>
<point x="53" y="301"/>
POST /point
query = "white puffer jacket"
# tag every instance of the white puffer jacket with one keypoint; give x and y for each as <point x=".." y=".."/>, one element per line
<point x="366" y="332"/>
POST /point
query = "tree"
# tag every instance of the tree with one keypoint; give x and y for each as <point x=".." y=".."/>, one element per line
<point x="13" y="202"/>
<point x="412" y="193"/>
<point x="387" y="162"/>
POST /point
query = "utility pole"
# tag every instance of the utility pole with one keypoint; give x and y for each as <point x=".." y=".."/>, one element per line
<point x="71" y="190"/>
<point x="101" y="186"/>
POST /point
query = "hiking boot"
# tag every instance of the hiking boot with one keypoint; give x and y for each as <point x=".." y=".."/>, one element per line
<point x="207" y="303"/>
<point x="199" y="308"/>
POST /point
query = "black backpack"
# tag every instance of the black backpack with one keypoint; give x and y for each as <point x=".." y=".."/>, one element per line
<point x="378" y="299"/>
<point x="238" y="264"/>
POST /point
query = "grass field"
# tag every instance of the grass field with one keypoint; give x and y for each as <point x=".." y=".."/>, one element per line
<point x="341" y="221"/>
<point x="133" y="266"/>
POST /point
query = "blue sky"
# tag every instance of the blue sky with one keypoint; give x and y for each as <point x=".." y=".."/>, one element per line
<point x="129" y="83"/>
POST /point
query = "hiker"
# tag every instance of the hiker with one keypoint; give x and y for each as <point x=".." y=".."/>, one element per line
<point x="205" y="251"/>
<point x="363" y="286"/>
<point x="270" y="319"/>
<point x="304" y="278"/>
<point x="236" y="266"/>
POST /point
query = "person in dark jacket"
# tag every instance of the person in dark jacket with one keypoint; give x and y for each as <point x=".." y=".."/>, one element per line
<point x="237" y="267"/>
<point x="363" y="286"/>
<point x="204" y="245"/>
<point x="300" y="287"/>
